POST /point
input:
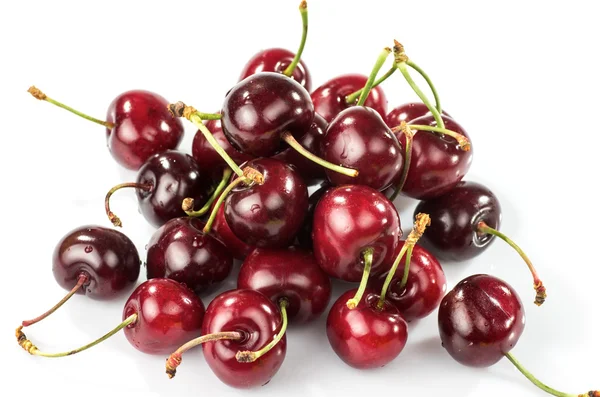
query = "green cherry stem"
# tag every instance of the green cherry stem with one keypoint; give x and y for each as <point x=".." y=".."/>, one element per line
<point x="250" y="356"/>
<point x="427" y="79"/>
<point x="541" y="385"/>
<point x="350" y="99"/>
<point x="33" y="350"/>
<point x="538" y="285"/>
<point x="115" y="220"/>
<point x="421" y="222"/>
<point x="408" y="135"/>
<point x="188" y="203"/>
<point x="38" y="94"/>
<point x="462" y="140"/>
<point x="368" y="258"/>
<point x="369" y="84"/>
<point x="304" y="14"/>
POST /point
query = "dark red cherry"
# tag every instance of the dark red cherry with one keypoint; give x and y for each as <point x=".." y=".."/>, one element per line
<point x="142" y="128"/>
<point x="407" y="112"/>
<point x="424" y="289"/>
<point x="358" y="138"/>
<point x="453" y="233"/>
<point x="330" y="98"/>
<point x="270" y="214"/>
<point x="480" y="320"/>
<point x="181" y="251"/>
<point x="277" y="60"/>
<point x="311" y="141"/>
<point x="254" y="316"/>
<point x="237" y="247"/>
<point x="106" y="257"/>
<point x="168" y="314"/>
<point x="366" y="336"/>
<point x="288" y="273"/>
<point x="305" y="233"/>
<point x="258" y="109"/>
<point x="347" y="221"/>
<point x="438" y="163"/>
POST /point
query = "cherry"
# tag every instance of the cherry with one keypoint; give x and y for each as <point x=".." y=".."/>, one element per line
<point x="138" y="126"/>
<point x="305" y="233"/>
<point x="162" y="183"/>
<point x="268" y="214"/>
<point x="181" y="251"/>
<point x="407" y="112"/>
<point x="330" y="98"/>
<point x="238" y="248"/>
<point x="236" y="323"/>
<point x="464" y="222"/>
<point x="480" y="321"/>
<point x="292" y="274"/>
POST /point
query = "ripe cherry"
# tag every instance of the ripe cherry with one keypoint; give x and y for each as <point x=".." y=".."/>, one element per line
<point x="239" y="249"/>
<point x="138" y="126"/>
<point x="162" y="183"/>
<point x="464" y="222"/>
<point x="480" y="321"/>
<point x="407" y="112"/>
<point x="292" y="274"/>
<point x="181" y="251"/>
<point x="243" y="339"/>
<point x="304" y="235"/>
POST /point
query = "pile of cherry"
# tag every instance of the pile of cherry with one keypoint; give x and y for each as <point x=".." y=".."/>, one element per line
<point x="243" y="194"/>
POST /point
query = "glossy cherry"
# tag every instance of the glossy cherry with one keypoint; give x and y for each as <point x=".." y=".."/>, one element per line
<point x="260" y="108"/>
<point x="277" y="60"/>
<point x="181" y="251"/>
<point x="424" y="289"/>
<point x="163" y="182"/>
<point x="407" y="112"/>
<point x="239" y="249"/>
<point x="367" y="336"/>
<point x="358" y="138"/>
<point x="292" y="274"/>
<point x="270" y="214"/>
<point x="305" y="233"/>
<point x="330" y="98"/>
<point x="347" y="221"/>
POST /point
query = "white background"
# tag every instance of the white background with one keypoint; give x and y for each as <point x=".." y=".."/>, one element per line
<point x="521" y="77"/>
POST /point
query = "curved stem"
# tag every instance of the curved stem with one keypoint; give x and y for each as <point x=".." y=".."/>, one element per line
<point x="290" y="140"/>
<point x="174" y="359"/>
<point x="438" y="118"/>
<point x="33" y="350"/>
<point x="368" y="258"/>
<point x="541" y="385"/>
<point x="369" y="84"/>
<point x="37" y="94"/>
<point x="408" y="135"/>
<point x="249" y="356"/>
<point x="304" y="14"/>
<point x="219" y="202"/>
<point x="538" y="285"/>
<point x="421" y="222"/>
<point x="462" y="140"/>
<point x="350" y="99"/>
<point x="188" y="203"/>
<point x="426" y="77"/>
<point x="111" y="216"/>
<point x="81" y="280"/>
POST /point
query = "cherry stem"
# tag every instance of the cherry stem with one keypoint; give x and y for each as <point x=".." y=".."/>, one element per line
<point x="290" y="140"/>
<point x="369" y="84"/>
<point x="111" y="216"/>
<point x="408" y="134"/>
<point x="180" y="109"/>
<point x="33" y="350"/>
<point x="426" y="77"/>
<point x="174" y="359"/>
<point x="350" y="99"/>
<point x="544" y="387"/>
<point x="368" y="258"/>
<point x="38" y="94"/>
<point x="188" y="202"/>
<point x="538" y="285"/>
<point x="421" y="222"/>
<point x="250" y="356"/>
<point x="462" y="140"/>
<point x="304" y="14"/>
<point x="81" y="280"/>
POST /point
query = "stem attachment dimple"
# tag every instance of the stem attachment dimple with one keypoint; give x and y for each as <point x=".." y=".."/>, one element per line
<point x="303" y="8"/>
<point x="368" y="259"/>
<point x="462" y="140"/>
<point x="408" y="135"/>
<point x="116" y="221"/>
<point x="538" y="285"/>
<point x="188" y="203"/>
<point x="369" y="84"/>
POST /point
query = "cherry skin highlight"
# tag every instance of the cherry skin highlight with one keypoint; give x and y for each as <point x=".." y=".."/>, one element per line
<point x="181" y="251"/>
<point x="292" y="274"/>
<point x="277" y="60"/>
<point x="106" y="256"/>
<point x="168" y="314"/>
<point x="259" y="320"/>
<point x="239" y="249"/>
<point x="366" y="336"/>
<point x="408" y="112"/>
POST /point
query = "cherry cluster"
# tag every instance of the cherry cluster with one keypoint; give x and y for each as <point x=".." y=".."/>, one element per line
<point x="298" y="185"/>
